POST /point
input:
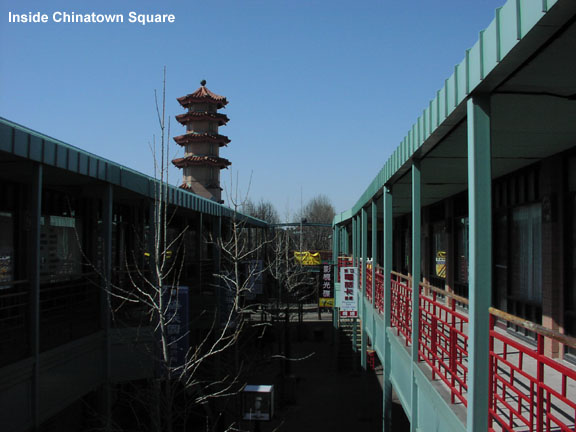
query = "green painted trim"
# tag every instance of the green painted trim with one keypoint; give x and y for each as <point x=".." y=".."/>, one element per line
<point x="416" y="254"/>
<point x="364" y="219"/>
<point x="387" y="240"/>
<point x="35" y="146"/>
<point x="480" y="269"/>
<point x="476" y="67"/>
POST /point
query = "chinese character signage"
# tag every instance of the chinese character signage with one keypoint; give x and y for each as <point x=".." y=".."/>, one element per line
<point x="349" y="290"/>
<point x="326" y="288"/>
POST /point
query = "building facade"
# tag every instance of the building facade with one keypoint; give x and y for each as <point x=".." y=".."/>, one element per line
<point x="73" y="227"/>
<point x="472" y="218"/>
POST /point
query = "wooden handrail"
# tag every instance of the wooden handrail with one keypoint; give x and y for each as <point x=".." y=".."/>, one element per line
<point x="529" y="325"/>
<point x="9" y="284"/>
<point x="403" y="276"/>
<point x="536" y="328"/>
<point x="449" y="294"/>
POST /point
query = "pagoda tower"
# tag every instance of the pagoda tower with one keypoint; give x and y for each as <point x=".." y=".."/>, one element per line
<point x="202" y="162"/>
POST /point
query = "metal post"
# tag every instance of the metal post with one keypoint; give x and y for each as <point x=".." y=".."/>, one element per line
<point x="416" y="261"/>
<point x="387" y="270"/>
<point x="374" y="263"/>
<point x="374" y="249"/>
<point x="480" y="270"/>
<point x="336" y="231"/>
<point x="354" y="240"/>
<point x="34" y="278"/>
<point x="107" y="215"/>
<point x="362" y="302"/>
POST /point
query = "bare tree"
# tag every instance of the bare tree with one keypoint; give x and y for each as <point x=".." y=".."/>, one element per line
<point x="156" y="289"/>
<point x="318" y="210"/>
<point x="264" y="210"/>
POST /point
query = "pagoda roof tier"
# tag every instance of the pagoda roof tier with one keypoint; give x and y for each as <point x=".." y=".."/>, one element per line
<point x="193" y="137"/>
<point x="201" y="160"/>
<point x="202" y="95"/>
<point x="190" y="116"/>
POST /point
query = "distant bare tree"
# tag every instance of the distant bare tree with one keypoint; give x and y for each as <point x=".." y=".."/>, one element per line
<point x="264" y="210"/>
<point x="318" y="210"/>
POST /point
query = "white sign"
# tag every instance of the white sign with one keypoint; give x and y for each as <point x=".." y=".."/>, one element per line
<point x="349" y="292"/>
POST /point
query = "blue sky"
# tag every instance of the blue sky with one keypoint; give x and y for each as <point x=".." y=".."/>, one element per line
<point x="320" y="91"/>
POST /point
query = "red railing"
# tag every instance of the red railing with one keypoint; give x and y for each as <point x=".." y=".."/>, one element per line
<point x="379" y="290"/>
<point x="528" y="390"/>
<point x="443" y="342"/>
<point x="401" y="306"/>
<point x="369" y="285"/>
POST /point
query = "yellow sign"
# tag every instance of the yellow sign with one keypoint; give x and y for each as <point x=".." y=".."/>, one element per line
<point x="308" y="258"/>
<point x="326" y="302"/>
<point x="441" y="264"/>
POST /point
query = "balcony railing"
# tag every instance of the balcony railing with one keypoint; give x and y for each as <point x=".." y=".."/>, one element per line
<point x="529" y="391"/>
<point x="401" y="306"/>
<point x="69" y="310"/>
<point x="443" y="342"/>
<point x="14" y="321"/>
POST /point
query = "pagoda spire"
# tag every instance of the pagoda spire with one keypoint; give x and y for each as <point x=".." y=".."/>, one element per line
<point x="202" y="163"/>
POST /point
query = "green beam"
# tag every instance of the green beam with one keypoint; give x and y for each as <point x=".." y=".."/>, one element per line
<point x="387" y="261"/>
<point x="354" y="241"/>
<point x="362" y="303"/>
<point x="336" y="240"/>
<point x="416" y="239"/>
<point x="480" y="273"/>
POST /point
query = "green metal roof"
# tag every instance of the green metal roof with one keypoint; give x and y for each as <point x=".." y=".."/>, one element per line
<point x="29" y="144"/>
<point x="518" y="29"/>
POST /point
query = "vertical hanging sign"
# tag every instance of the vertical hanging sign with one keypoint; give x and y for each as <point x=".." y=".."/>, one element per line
<point x="176" y="318"/>
<point x="326" y="288"/>
<point x="349" y="283"/>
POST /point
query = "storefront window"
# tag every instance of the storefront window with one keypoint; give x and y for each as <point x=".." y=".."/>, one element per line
<point x="526" y="245"/>
<point x="6" y="249"/>
<point x="60" y="253"/>
<point x="462" y="250"/>
<point x="438" y="250"/>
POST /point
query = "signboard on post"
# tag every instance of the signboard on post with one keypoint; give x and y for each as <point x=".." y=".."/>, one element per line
<point x="254" y="270"/>
<point x="326" y="286"/>
<point x="349" y="294"/>
<point x="176" y="304"/>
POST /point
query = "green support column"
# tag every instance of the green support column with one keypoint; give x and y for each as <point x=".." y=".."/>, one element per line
<point x="336" y="236"/>
<point x="35" y="206"/>
<point x="353" y="240"/>
<point x="480" y="270"/>
<point x="416" y="239"/>
<point x="374" y="261"/>
<point x="107" y="221"/>
<point x="387" y="270"/>
<point x="362" y="303"/>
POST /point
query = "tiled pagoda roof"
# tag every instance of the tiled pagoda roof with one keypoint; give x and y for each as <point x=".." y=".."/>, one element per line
<point x="186" y="118"/>
<point x="203" y="95"/>
<point x="201" y="160"/>
<point x="191" y="137"/>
